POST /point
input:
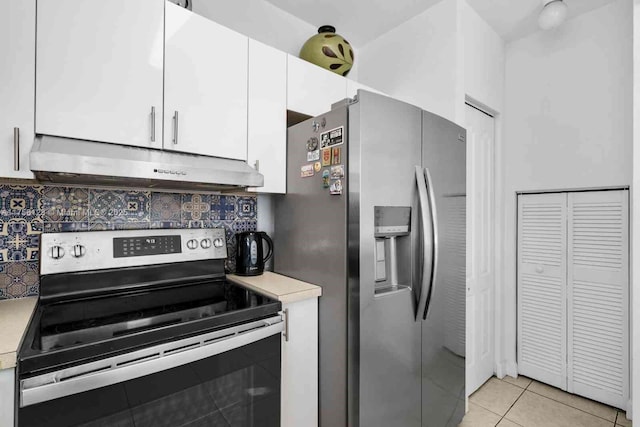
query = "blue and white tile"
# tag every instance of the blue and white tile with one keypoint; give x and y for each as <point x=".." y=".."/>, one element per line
<point x="63" y="227"/>
<point x="65" y="204"/>
<point x="241" y="225"/>
<point x="196" y="207"/>
<point x="223" y="208"/>
<point x="19" y="279"/>
<point x="166" y="207"/>
<point x="167" y="224"/>
<point x="20" y="240"/>
<point x="118" y="205"/>
<point x="20" y="202"/>
<point x="247" y="207"/>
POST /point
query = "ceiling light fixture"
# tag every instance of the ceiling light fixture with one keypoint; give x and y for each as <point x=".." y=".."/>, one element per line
<point x="553" y="13"/>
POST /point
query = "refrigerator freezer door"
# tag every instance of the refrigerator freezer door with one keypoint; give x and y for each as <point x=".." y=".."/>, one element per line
<point x="310" y="241"/>
<point x="443" y="330"/>
<point x="384" y="337"/>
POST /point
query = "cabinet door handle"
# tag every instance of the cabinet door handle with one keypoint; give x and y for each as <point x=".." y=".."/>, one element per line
<point x="16" y="149"/>
<point x="153" y="124"/>
<point x="175" y="128"/>
<point x="286" y="325"/>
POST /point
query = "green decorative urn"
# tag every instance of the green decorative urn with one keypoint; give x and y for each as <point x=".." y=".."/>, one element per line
<point x="328" y="50"/>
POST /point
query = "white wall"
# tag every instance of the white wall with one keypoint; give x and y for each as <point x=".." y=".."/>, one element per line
<point x="568" y="120"/>
<point x="484" y="52"/>
<point x="259" y="20"/>
<point x="419" y="61"/>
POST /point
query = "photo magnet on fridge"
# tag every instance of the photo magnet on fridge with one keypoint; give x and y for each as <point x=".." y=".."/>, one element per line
<point x="332" y="137"/>
<point x="336" y="155"/>
<point x="337" y="171"/>
<point x="313" y="156"/>
<point x="336" y="187"/>
<point x="306" y="171"/>
<point x="326" y="156"/>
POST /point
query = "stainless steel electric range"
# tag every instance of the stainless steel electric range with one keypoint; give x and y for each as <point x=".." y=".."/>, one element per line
<point x="140" y="328"/>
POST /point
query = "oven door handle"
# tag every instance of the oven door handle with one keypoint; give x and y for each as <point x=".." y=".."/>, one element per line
<point x="117" y="369"/>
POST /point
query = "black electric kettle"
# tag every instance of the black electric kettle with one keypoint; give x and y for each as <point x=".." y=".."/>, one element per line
<point x="249" y="255"/>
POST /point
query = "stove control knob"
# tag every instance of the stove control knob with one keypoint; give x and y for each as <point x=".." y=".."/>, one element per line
<point x="79" y="251"/>
<point x="205" y="243"/>
<point x="192" y="244"/>
<point x="56" y="252"/>
<point x="218" y="243"/>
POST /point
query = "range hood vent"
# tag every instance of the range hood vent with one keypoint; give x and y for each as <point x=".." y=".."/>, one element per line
<point x="72" y="161"/>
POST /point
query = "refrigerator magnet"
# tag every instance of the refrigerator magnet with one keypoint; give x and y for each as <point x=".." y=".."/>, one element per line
<point x="325" y="178"/>
<point x="336" y="187"/>
<point x="337" y="171"/>
<point x="317" y="166"/>
<point x="306" y="171"/>
<point x="326" y="156"/>
<point x="336" y="155"/>
<point x="331" y="137"/>
<point x="313" y="156"/>
<point x="312" y="144"/>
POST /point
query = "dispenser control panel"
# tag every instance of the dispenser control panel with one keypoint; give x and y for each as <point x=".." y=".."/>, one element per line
<point x="392" y="220"/>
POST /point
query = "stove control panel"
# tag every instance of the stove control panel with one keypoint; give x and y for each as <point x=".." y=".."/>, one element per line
<point x="92" y="250"/>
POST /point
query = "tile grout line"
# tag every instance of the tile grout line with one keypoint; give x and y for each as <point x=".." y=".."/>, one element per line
<point x="573" y="407"/>
<point x="513" y="404"/>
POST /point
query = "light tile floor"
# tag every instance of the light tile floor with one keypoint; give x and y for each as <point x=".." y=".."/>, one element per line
<point x="513" y="402"/>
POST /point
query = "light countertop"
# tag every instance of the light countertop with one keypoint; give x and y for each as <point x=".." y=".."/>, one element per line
<point x="14" y="319"/>
<point x="279" y="287"/>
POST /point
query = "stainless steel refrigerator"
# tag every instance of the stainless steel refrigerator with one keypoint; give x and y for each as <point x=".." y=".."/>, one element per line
<point x="375" y="214"/>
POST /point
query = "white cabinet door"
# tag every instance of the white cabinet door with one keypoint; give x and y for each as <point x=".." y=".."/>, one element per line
<point x="7" y="391"/>
<point x="17" y="90"/>
<point x="598" y="296"/>
<point x="299" y="399"/>
<point x="205" y="98"/>
<point x="542" y="287"/>
<point x="312" y="90"/>
<point x="267" y="129"/>
<point x="99" y="70"/>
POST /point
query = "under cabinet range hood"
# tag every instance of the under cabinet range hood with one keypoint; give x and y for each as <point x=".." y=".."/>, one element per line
<point x="65" y="160"/>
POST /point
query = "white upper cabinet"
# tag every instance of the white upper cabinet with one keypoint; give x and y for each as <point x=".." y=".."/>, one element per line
<point x="312" y="90"/>
<point x="99" y="70"/>
<point x="17" y="48"/>
<point x="205" y="86"/>
<point x="267" y="141"/>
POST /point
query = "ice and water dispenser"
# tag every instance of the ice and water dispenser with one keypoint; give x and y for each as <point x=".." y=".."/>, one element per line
<point x="392" y="251"/>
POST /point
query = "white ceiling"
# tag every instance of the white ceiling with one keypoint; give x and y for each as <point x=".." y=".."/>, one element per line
<point x="515" y="19"/>
<point x="361" y="21"/>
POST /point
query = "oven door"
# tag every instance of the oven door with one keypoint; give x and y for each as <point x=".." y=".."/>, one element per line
<point x="224" y="378"/>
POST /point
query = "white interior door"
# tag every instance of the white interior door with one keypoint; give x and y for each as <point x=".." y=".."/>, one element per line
<point x="542" y="287"/>
<point x="480" y="248"/>
<point x="598" y="296"/>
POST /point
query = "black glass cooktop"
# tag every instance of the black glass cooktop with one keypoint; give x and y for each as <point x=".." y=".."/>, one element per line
<point x="72" y="326"/>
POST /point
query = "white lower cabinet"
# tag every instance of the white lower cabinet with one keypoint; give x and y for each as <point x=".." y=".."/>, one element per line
<point x="7" y="402"/>
<point x="17" y="90"/>
<point x="573" y="292"/>
<point x="300" y="365"/>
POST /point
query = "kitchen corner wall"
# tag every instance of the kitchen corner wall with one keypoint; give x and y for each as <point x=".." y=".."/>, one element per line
<point x="28" y="210"/>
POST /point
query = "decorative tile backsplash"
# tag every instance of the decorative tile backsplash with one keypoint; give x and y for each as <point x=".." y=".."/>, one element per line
<point x="28" y="210"/>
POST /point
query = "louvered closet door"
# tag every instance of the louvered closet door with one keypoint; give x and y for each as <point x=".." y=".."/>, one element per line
<point x="598" y="296"/>
<point x="542" y="315"/>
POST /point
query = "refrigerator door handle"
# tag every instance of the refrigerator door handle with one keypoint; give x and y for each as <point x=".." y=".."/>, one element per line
<point x="434" y="236"/>
<point x="427" y="241"/>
